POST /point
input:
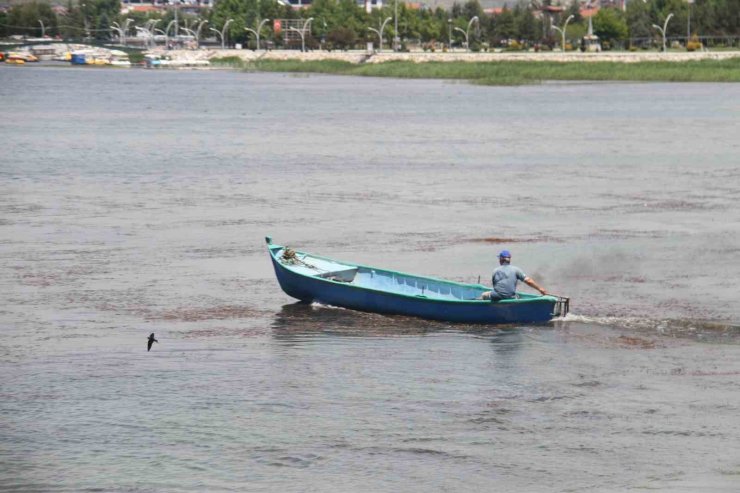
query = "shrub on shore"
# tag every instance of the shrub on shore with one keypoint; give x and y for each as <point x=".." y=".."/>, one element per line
<point x="229" y="61"/>
<point x="693" y="44"/>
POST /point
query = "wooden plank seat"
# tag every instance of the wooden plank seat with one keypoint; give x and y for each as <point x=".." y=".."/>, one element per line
<point x="346" y="275"/>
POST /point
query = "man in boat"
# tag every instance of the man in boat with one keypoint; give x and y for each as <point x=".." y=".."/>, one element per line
<point x="505" y="278"/>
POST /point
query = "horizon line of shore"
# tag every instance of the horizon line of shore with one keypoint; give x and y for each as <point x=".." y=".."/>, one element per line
<point x="420" y="57"/>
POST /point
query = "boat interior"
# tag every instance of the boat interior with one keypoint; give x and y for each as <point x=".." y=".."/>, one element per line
<point x="371" y="278"/>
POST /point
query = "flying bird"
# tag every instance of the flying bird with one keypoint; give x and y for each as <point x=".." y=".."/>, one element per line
<point x="150" y="341"/>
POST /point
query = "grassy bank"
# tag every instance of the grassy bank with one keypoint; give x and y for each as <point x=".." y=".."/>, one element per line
<point x="511" y="72"/>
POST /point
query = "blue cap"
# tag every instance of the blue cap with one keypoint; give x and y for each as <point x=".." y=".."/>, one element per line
<point x="505" y="254"/>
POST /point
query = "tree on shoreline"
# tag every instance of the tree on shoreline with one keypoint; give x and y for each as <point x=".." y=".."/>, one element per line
<point x="344" y="24"/>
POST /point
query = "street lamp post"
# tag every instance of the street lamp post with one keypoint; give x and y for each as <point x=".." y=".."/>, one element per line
<point x="83" y="11"/>
<point x="449" y="34"/>
<point x="688" y="22"/>
<point x="662" y="29"/>
<point x="151" y="27"/>
<point x="117" y="30"/>
<point x="222" y="33"/>
<point x="148" y="30"/>
<point x="257" y="32"/>
<point x="43" y="29"/>
<point x="177" y="20"/>
<point x="149" y="34"/>
<point x="323" y="34"/>
<point x="162" y="33"/>
<point x="190" y="32"/>
<point x="197" y="33"/>
<point x="167" y="34"/>
<point x="380" y="32"/>
<point x="120" y="30"/>
<point x="123" y="30"/>
<point x="466" y="32"/>
<point x="562" y="31"/>
<point x="395" y="27"/>
<point x="302" y="33"/>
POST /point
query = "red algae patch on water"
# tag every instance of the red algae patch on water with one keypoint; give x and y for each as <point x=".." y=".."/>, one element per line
<point x="207" y="313"/>
<point x="593" y="337"/>
<point x="39" y="280"/>
<point x="635" y="342"/>
<point x="503" y="239"/>
<point x="224" y="332"/>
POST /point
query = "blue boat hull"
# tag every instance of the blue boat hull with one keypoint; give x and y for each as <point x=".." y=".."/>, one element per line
<point x="308" y="288"/>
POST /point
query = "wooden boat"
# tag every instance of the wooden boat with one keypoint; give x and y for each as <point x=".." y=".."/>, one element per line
<point x="312" y="278"/>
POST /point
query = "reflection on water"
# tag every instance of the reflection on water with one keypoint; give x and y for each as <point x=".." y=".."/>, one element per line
<point x="127" y="211"/>
<point x="305" y="319"/>
<point x="314" y="318"/>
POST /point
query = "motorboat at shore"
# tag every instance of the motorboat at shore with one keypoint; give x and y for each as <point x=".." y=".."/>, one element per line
<point x="100" y="56"/>
<point x="313" y="278"/>
<point x="20" y="57"/>
<point x="154" y="60"/>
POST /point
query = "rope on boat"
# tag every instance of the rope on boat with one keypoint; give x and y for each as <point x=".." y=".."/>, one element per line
<point x="289" y="257"/>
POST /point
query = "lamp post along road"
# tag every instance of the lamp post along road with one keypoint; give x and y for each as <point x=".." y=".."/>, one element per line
<point x="470" y="23"/>
<point x="191" y="33"/>
<point x="148" y="31"/>
<point x="466" y="32"/>
<point x="562" y="31"/>
<point x="124" y="29"/>
<point x="149" y="34"/>
<point x="118" y="31"/>
<point x="222" y="33"/>
<point x="449" y="34"/>
<point x="177" y="20"/>
<point x="257" y="32"/>
<point x="83" y="11"/>
<point x="151" y="25"/>
<point x="43" y="29"/>
<point x="395" y="28"/>
<point x="302" y="33"/>
<point x="162" y="33"/>
<point x="197" y="33"/>
<point x="117" y="28"/>
<point x="662" y="29"/>
<point x="380" y="32"/>
<point x="167" y="34"/>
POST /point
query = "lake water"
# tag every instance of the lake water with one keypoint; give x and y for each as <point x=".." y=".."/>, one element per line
<point x="137" y="201"/>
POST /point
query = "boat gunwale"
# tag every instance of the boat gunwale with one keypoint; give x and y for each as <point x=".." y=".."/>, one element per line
<point x="533" y="299"/>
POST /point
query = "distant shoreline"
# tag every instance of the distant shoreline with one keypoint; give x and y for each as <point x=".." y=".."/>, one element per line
<point x="503" y="68"/>
<point x="498" y="68"/>
<point x="358" y="57"/>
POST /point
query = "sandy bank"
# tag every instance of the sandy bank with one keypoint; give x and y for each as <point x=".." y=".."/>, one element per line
<point x="363" y="57"/>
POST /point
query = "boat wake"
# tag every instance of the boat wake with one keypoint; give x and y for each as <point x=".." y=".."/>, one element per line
<point x="320" y="317"/>
<point x="699" y="329"/>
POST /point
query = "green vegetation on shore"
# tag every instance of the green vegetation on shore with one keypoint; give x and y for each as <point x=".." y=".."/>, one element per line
<point x="510" y="72"/>
<point x="520" y="25"/>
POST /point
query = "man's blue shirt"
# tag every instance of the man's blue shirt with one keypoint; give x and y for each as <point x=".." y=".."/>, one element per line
<point x="505" y="278"/>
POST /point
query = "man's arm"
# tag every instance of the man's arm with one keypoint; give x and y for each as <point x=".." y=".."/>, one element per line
<point x="530" y="282"/>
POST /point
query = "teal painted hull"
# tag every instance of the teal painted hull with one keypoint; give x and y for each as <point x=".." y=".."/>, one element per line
<point x="311" y="278"/>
